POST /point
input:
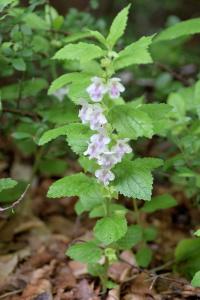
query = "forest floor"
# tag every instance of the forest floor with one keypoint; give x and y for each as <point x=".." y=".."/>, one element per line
<point x="33" y="264"/>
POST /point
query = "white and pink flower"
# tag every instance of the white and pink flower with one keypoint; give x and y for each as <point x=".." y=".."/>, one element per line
<point x="97" y="89"/>
<point x="97" y="118"/>
<point x="98" y="145"/>
<point x="115" y="87"/>
<point x="105" y="176"/>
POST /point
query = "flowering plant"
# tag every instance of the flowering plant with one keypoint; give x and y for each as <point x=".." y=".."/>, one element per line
<point x="103" y="140"/>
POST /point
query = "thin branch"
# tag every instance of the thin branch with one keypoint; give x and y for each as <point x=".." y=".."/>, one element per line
<point x="22" y="113"/>
<point x="176" y="75"/>
<point x="12" y="206"/>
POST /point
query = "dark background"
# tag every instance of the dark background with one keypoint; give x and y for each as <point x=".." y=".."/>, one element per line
<point x="147" y="16"/>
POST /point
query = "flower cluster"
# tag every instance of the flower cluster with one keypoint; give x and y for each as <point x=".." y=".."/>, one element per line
<point x="99" y="145"/>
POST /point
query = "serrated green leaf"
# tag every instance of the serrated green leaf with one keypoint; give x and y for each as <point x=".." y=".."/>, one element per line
<point x="81" y="51"/>
<point x="89" y="165"/>
<point x="52" y="134"/>
<point x="76" y="37"/>
<point x="130" y="122"/>
<point x="133" y="180"/>
<point x="7" y="183"/>
<point x="136" y="53"/>
<point x="110" y="229"/>
<point x="78" y="136"/>
<point x="159" y="202"/>
<point x="97" y="35"/>
<point x="158" y="112"/>
<point x="144" y="256"/>
<point x="67" y="79"/>
<point x="187" y="27"/>
<point x="149" y="163"/>
<point x="77" y="89"/>
<point x="196" y="280"/>
<point x="132" y="237"/>
<point x="118" y="26"/>
<point x="87" y="252"/>
<point x="86" y="188"/>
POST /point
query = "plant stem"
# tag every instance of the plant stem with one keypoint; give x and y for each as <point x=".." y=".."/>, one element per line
<point x="137" y="213"/>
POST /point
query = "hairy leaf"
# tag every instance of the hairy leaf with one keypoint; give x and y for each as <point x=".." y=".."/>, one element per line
<point x="130" y="122"/>
<point x="132" y="237"/>
<point x="136" y="53"/>
<point x="81" y="51"/>
<point x="87" y="188"/>
<point x="86" y="252"/>
<point x="78" y="136"/>
<point x="133" y="180"/>
<point x="187" y="27"/>
<point x="110" y="229"/>
<point x="118" y="26"/>
<point x="52" y="134"/>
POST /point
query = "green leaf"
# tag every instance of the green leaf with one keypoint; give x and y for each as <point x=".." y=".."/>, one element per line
<point x="149" y="234"/>
<point x="88" y="165"/>
<point x="98" y="36"/>
<point x="35" y="22"/>
<point x="159" y="202"/>
<point x="52" y="134"/>
<point x="187" y="257"/>
<point x="197" y="233"/>
<point x="136" y="53"/>
<point x="132" y="237"/>
<point x="30" y="88"/>
<point x="130" y="122"/>
<point x="86" y="188"/>
<point x="64" y="80"/>
<point x="81" y="51"/>
<point x="7" y="183"/>
<point x="14" y="193"/>
<point x="196" y="280"/>
<point x="76" y="36"/>
<point x="118" y="26"/>
<point x="86" y="252"/>
<point x="144" y="256"/>
<point x="19" y="64"/>
<point x="78" y="136"/>
<point x="52" y="166"/>
<point x="149" y="163"/>
<point x="187" y="27"/>
<point x="133" y="180"/>
<point x="110" y="229"/>
<point x="159" y="114"/>
<point x="186" y="249"/>
<point x="99" y="211"/>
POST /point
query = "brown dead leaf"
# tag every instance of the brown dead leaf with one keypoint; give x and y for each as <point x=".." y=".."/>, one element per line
<point x="85" y="291"/>
<point x="119" y="271"/>
<point x="78" y="268"/>
<point x="7" y="265"/>
<point x="114" y="294"/>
